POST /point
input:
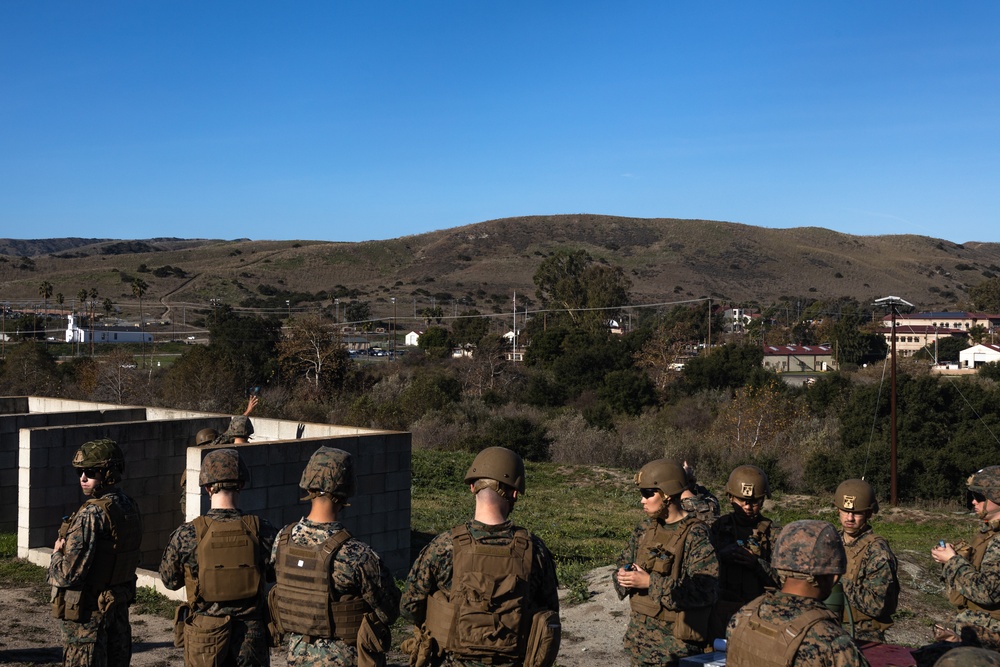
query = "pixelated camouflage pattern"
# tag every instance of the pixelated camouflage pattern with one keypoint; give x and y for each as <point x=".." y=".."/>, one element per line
<point x="809" y="547"/>
<point x="222" y="465"/>
<point x="432" y="571"/>
<point x="357" y="571"/>
<point x="248" y="628"/>
<point x="987" y="482"/>
<point x="330" y="470"/>
<point x="826" y="644"/>
<point x="703" y="505"/>
<point x="875" y="589"/>
<point x="739" y="582"/>
<point x="651" y="641"/>
<point x="240" y="427"/>
<point x="980" y="585"/>
<point x="106" y="637"/>
<point x="98" y="454"/>
<point x="969" y="656"/>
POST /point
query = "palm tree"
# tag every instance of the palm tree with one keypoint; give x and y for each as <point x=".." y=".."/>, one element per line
<point x="139" y="288"/>
<point x="93" y="315"/>
<point x="109" y="305"/>
<point x="45" y="291"/>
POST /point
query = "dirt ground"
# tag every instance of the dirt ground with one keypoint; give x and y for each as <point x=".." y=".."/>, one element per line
<point x="592" y="631"/>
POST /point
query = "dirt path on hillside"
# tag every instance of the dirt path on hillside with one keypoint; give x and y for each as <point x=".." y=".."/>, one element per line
<point x="592" y="631"/>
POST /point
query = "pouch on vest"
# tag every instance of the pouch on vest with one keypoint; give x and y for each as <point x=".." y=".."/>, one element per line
<point x="180" y="615"/>
<point x="227" y="559"/>
<point x="691" y="625"/>
<point x="206" y="640"/>
<point x="543" y="639"/>
<point x="76" y="608"/>
<point x="374" y="639"/>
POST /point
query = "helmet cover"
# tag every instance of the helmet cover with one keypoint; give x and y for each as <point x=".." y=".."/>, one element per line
<point x="986" y="482"/>
<point x="331" y="471"/>
<point x="809" y="547"/>
<point x="223" y="465"/>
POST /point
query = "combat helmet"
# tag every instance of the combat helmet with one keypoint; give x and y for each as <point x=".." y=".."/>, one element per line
<point x="205" y="436"/>
<point x="809" y="547"/>
<point x="104" y="455"/>
<point x="662" y="474"/>
<point x="748" y="483"/>
<point x="986" y="482"/>
<point x="855" y="495"/>
<point x="499" y="464"/>
<point x="969" y="656"/>
<point x="239" y="427"/>
<point x="330" y="471"/>
<point x="224" y="467"/>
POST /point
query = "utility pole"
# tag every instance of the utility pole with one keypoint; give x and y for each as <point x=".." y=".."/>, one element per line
<point x="893" y="302"/>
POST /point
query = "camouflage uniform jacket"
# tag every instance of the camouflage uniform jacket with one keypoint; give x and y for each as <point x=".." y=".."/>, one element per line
<point x="826" y="643"/>
<point x="874" y="590"/>
<point x="433" y="569"/>
<point x="71" y="567"/>
<point x="738" y="582"/>
<point x="649" y="640"/>
<point x="705" y="507"/>
<point x="357" y="570"/>
<point x="980" y="584"/>
<point x="180" y="559"/>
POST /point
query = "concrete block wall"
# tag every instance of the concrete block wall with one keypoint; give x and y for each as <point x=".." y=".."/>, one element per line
<point x="12" y="423"/>
<point x="158" y="450"/>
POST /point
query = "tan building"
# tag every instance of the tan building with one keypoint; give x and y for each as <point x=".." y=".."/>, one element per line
<point x="799" y="358"/>
<point x="911" y="338"/>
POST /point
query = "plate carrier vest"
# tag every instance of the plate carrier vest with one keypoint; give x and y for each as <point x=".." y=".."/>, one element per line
<point x="980" y="544"/>
<point x="303" y="599"/>
<point x="735" y="585"/>
<point x="765" y="644"/>
<point x="115" y="559"/>
<point x="485" y="617"/>
<point x="228" y="565"/>
<point x="857" y="551"/>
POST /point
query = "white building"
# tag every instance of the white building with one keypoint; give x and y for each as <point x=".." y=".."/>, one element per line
<point x="412" y="339"/>
<point x="977" y="355"/>
<point x="74" y="334"/>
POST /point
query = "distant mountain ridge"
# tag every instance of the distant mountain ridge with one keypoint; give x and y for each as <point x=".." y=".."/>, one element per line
<point x="482" y="265"/>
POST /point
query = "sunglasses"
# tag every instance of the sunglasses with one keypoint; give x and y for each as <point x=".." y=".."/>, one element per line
<point x="648" y="493"/>
<point x="976" y="496"/>
<point x="91" y="473"/>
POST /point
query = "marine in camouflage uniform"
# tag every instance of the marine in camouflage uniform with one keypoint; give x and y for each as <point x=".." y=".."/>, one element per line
<point x="223" y="476"/>
<point x="103" y="637"/>
<point x="743" y="541"/>
<point x="668" y="567"/>
<point x="971" y="573"/>
<point x="356" y="570"/>
<point x="792" y="626"/>
<point x="698" y="500"/>
<point x="871" y="585"/>
<point x="496" y="478"/>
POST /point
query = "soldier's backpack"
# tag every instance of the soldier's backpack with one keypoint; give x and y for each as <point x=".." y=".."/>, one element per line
<point x="485" y="617"/>
<point x="228" y="564"/>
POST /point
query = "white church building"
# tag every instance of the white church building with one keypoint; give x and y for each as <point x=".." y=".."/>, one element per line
<point x="75" y="334"/>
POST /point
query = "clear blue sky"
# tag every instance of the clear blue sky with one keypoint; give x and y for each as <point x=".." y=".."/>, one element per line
<point x="371" y="120"/>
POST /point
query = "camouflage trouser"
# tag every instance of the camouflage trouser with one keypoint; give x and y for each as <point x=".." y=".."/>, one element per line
<point x="103" y="641"/>
<point x="325" y="652"/>
<point x="978" y="628"/>
<point x="248" y="641"/>
<point x="649" y="641"/>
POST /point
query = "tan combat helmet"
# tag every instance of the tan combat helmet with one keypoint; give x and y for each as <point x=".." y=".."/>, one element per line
<point x="809" y="547"/>
<point x="748" y="483"/>
<point x="224" y="467"/>
<point x="855" y="495"/>
<point x="205" y="436"/>
<point x="986" y="482"/>
<point x="330" y="472"/>
<point x="105" y="455"/>
<point x="662" y="474"/>
<point x="499" y="464"/>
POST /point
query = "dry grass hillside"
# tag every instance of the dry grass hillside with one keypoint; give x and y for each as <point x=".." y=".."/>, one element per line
<point x="481" y="265"/>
